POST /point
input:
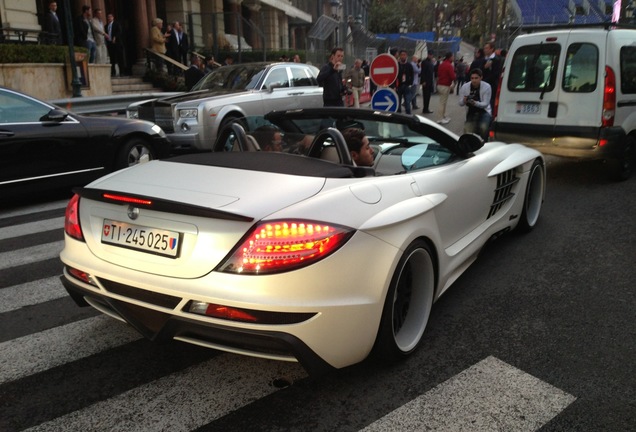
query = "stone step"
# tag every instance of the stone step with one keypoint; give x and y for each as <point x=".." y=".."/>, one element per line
<point x="124" y="85"/>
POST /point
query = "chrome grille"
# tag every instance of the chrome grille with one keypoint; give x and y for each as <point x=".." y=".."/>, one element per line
<point x="506" y="182"/>
<point x="161" y="115"/>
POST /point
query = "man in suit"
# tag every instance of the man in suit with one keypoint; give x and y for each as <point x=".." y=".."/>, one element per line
<point x="52" y="26"/>
<point x="177" y="46"/>
<point x="115" y="45"/>
<point x="182" y="43"/>
<point x="426" y="80"/>
<point x="194" y="73"/>
<point x="84" y="33"/>
<point x="492" y="69"/>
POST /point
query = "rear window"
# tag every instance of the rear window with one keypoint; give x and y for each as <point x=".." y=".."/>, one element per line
<point x="533" y="68"/>
<point x="628" y="69"/>
<point x="581" y="68"/>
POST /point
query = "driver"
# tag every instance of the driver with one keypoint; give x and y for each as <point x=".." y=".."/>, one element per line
<point x="358" y="144"/>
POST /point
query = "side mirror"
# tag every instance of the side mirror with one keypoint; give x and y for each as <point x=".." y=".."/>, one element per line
<point x="469" y="143"/>
<point x="55" y="115"/>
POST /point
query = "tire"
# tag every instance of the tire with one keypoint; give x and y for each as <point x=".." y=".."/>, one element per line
<point x="533" y="198"/>
<point x="623" y="167"/>
<point x="232" y="118"/>
<point x="408" y="304"/>
<point x="134" y="151"/>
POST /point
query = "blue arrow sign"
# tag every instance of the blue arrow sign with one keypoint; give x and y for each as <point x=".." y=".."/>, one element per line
<point x="385" y="99"/>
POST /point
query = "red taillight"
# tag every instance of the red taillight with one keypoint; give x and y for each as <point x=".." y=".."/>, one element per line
<point x="79" y="274"/>
<point x="274" y="247"/>
<point x="609" y="98"/>
<point x="127" y="199"/>
<point x="225" y="312"/>
<point x="71" y="219"/>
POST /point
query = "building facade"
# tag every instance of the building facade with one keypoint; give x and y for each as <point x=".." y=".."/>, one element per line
<point x="266" y="25"/>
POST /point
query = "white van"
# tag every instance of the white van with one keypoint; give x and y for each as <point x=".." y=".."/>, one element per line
<point x="572" y="92"/>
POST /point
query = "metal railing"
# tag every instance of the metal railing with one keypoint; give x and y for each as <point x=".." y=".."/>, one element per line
<point x="103" y="105"/>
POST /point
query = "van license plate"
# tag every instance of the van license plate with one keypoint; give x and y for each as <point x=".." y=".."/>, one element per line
<point x="528" y="108"/>
<point x="140" y="238"/>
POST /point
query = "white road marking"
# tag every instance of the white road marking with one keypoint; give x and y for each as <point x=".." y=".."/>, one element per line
<point x="31" y="255"/>
<point x="489" y="396"/>
<point x="184" y="400"/>
<point x="38" y="352"/>
<point x="31" y="228"/>
<point x="31" y="293"/>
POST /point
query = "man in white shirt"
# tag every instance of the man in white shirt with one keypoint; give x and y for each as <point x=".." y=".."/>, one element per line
<point x="476" y="96"/>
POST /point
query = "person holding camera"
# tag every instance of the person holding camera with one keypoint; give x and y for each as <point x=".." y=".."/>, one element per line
<point x="476" y="96"/>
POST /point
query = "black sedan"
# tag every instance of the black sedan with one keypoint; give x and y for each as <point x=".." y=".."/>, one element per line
<point x="43" y="147"/>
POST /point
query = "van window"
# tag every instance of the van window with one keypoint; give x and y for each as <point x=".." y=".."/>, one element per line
<point x="581" y="68"/>
<point x="628" y="69"/>
<point x="533" y="68"/>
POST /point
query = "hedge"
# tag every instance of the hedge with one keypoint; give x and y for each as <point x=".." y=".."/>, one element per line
<point x="31" y="53"/>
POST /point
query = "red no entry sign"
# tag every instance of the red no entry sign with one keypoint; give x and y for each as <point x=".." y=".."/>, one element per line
<point x="383" y="70"/>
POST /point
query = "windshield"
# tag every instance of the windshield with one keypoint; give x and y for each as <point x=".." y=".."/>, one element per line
<point x="239" y="77"/>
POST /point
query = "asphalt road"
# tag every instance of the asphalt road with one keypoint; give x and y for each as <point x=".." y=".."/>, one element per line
<point x="538" y="334"/>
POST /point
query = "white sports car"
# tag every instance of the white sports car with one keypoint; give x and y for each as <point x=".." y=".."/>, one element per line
<point x="298" y="254"/>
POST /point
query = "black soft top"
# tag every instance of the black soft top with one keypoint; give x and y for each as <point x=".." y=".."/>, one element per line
<point x="280" y="163"/>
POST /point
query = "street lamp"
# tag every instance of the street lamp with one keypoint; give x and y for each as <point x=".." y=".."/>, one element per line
<point x="75" y="83"/>
<point x="335" y="5"/>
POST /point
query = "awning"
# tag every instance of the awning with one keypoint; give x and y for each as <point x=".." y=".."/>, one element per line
<point x="289" y="10"/>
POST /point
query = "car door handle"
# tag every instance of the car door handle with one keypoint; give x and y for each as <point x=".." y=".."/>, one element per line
<point x="4" y="133"/>
<point x="295" y="93"/>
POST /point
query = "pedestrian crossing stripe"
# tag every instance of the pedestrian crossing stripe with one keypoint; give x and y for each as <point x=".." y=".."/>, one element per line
<point x="489" y="396"/>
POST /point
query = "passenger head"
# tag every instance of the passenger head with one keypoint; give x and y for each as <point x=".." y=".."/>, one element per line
<point x="269" y="138"/>
<point x="358" y="145"/>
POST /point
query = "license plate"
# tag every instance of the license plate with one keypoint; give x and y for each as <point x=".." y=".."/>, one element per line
<point x="528" y="108"/>
<point x="141" y="238"/>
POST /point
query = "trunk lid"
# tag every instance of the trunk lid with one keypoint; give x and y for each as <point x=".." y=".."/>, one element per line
<point x="201" y="239"/>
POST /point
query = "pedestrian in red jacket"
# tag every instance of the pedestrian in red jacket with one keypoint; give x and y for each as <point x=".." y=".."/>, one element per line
<point x="445" y="86"/>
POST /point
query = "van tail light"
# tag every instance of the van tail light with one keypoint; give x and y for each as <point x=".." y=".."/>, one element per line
<point x="495" y="109"/>
<point x="280" y="246"/>
<point x="609" y="98"/>
<point x="71" y="219"/>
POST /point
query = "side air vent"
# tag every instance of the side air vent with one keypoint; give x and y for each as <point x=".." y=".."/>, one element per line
<point x="506" y="182"/>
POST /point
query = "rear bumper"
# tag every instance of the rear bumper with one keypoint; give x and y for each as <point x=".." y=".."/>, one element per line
<point x="570" y="141"/>
<point x="159" y="326"/>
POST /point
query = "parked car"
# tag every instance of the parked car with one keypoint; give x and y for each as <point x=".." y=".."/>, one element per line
<point x="193" y="119"/>
<point x="298" y="254"/>
<point x="45" y="147"/>
<point x="571" y="92"/>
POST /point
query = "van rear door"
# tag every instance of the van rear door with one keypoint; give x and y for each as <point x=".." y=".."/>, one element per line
<point x="580" y="104"/>
<point x="529" y="98"/>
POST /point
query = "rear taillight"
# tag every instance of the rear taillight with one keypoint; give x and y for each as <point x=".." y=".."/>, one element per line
<point x="71" y="219"/>
<point x="279" y="246"/>
<point x="609" y="98"/>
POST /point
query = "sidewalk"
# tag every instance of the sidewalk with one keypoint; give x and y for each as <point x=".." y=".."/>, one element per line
<point x="456" y="113"/>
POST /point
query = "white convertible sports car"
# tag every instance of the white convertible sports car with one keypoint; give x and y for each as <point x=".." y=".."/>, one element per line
<point x="298" y="254"/>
